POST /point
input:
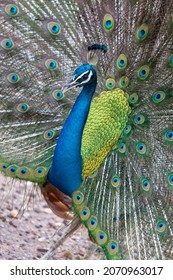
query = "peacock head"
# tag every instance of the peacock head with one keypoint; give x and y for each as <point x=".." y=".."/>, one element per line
<point x="82" y="76"/>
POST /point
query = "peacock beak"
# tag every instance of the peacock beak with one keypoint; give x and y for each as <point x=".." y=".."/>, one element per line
<point x="72" y="83"/>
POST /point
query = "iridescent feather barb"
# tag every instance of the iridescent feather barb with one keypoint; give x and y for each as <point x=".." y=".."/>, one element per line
<point x="113" y="153"/>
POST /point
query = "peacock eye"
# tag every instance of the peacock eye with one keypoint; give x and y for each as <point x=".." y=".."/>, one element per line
<point x="84" y="77"/>
<point x="12" y="10"/>
<point x="54" y="28"/>
<point x="7" y="44"/>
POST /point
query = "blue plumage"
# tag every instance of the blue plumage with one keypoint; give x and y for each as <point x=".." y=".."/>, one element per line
<point x="66" y="170"/>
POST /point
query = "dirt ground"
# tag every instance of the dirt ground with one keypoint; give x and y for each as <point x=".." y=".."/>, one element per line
<point x="27" y="233"/>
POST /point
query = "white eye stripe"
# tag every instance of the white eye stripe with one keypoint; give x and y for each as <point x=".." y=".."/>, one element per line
<point x="89" y="77"/>
<point x="78" y="78"/>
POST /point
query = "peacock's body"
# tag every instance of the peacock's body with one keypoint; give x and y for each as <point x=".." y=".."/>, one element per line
<point x="114" y="155"/>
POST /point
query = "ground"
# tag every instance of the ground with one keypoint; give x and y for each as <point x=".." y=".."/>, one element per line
<point x="28" y="234"/>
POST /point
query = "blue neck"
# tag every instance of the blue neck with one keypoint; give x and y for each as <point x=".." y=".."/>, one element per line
<point x="66" y="170"/>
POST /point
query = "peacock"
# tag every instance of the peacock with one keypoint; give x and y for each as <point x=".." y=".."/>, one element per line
<point x="86" y="106"/>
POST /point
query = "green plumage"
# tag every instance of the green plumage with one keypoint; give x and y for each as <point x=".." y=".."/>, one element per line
<point x="106" y="120"/>
<point x="127" y="204"/>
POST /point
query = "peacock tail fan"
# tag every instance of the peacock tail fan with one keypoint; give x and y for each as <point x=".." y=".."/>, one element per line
<point x="126" y="198"/>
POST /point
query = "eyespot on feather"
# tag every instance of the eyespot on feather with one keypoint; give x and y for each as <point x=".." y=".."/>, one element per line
<point x="141" y="148"/>
<point x="7" y="44"/>
<point x="23" y="172"/>
<point x="54" y="28"/>
<point x="11" y="170"/>
<point x="143" y="72"/>
<point x="84" y="213"/>
<point x="92" y="223"/>
<point x="133" y="99"/>
<point x="108" y="23"/>
<point x="58" y="94"/>
<point x="49" y="134"/>
<point x="110" y="83"/>
<point x="13" y="78"/>
<point x="170" y="179"/>
<point x="170" y="61"/>
<point x="101" y="237"/>
<point x="93" y="175"/>
<point x="142" y="32"/>
<point x="158" y="97"/>
<point x="123" y="82"/>
<point x="112" y="247"/>
<point x="23" y="108"/>
<point x="121" y="62"/>
<point x="168" y="135"/>
<point x="139" y="119"/>
<point x="115" y="181"/>
<point x="122" y="148"/>
<point x="127" y="130"/>
<point x="78" y="197"/>
<point x="51" y="64"/>
<point x="3" y="167"/>
<point x="12" y="10"/>
<point x="40" y="172"/>
<point x="161" y="226"/>
<point x="145" y="184"/>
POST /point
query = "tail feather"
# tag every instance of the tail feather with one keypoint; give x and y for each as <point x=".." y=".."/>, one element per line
<point x="62" y="234"/>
